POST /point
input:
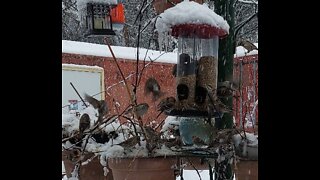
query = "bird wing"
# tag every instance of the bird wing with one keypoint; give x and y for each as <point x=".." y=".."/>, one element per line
<point x="94" y="102"/>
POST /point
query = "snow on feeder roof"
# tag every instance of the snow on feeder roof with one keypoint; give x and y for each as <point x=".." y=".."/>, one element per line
<point x="188" y="17"/>
<point x="82" y="3"/>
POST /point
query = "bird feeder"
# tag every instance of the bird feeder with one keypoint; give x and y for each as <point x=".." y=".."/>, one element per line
<point x="97" y="16"/>
<point x="197" y="67"/>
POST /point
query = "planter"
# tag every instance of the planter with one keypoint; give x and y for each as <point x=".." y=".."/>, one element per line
<point x="161" y="5"/>
<point x="246" y="170"/>
<point x="195" y="162"/>
<point x="158" y="168"/>
<point x="91" y="171"/>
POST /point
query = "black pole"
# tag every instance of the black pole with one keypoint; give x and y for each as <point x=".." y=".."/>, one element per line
<point x="78" y="94"/>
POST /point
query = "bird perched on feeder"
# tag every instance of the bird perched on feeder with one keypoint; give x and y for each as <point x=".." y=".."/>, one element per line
<point x="216" y="102"/>
<point x="152" y="86"/>
<point x="166" y="105"/>
<point x="138" y="110"/>
<point x="249" y="46"/>
<point x="226" y="88"/>
<point x="84" y="123"/>
<point x="101" y="106"/>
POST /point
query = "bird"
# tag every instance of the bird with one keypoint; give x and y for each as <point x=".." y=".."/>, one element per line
<point x="152" y="86"/>
<point x="221" y="107"/>
<point x="216" y="102"/>
<point x="84" y="123"/>
<point x="138" y="110"/>
<point x="226" y="88"/>
<point x="101" y="105"/>
<point x="198" y="141"/>
<point x="166" y="105"/>
<point x="130" y="142"/>
<point x="249" y="46"/>
<point x="152" y="138"/>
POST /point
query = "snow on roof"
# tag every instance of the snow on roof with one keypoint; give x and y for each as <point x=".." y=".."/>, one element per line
<point x="189" y="12"/>
<point x="74" y="47"/>
<point x="81" y="3"/>
<point x="241" y="51"/>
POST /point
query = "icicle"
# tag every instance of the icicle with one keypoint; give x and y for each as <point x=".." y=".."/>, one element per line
<point x="244" y="149"/>
<point x="160" y="38"/>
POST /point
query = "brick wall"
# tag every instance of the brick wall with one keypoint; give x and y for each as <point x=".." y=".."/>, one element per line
<point x="117" y="91"/>
<point x="162" y="72"/>
<point x="245" y="71"/>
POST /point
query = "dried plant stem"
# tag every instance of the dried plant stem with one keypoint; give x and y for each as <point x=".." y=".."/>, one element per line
<point x="194" y="168"/>
<point x="119" y="69"/>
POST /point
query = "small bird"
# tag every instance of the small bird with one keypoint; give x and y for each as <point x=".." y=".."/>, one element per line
<point x="152" y="138"/>
<point x="152" y="86"/>
<point x="226" y="88"/>
<point x="198" y="141"/>
<point x="166" y="105"/>
<point x="220" y="107"/>
<point x="100" y="105"/>
<point x="216" y="102"/>
<point x="138" y="110"/>
<point x="130" y="142"/>
<point x="249" y="46"/>
<point x="84" y="123"/>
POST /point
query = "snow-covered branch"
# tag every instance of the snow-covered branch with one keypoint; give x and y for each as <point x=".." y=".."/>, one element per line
<point x="240" y="25"/>
<point x="248" y="1"/>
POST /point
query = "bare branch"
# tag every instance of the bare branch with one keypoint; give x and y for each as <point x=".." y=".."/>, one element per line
<point x="240" y="25"/>
<point x="248" y="1"/>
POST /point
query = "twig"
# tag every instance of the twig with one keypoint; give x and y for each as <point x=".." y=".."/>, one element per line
<point x="144" y="59"/>
<point x="210" y="171"/>
<point x="78" y="94"/>
<point x="194" y="168"/>
<point x="119" y="69"/>
<point x="134" y="126"/>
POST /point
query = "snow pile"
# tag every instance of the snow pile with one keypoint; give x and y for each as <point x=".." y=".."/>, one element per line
<point x="189" y="12"/>
<point x="70" y="122"/>
<point x="171" y="122"/>
<point x="74" y="47"/>
<point x="115" y="133"/>
<point x="246" y="147"/>
<point x="252" y="139"/>
<point x="241" y="51"/>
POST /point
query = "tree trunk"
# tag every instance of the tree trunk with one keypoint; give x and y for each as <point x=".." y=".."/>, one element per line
<point x="225" y="8"/>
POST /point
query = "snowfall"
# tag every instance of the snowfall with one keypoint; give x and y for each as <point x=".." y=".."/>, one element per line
<point x="181" y="13"/>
